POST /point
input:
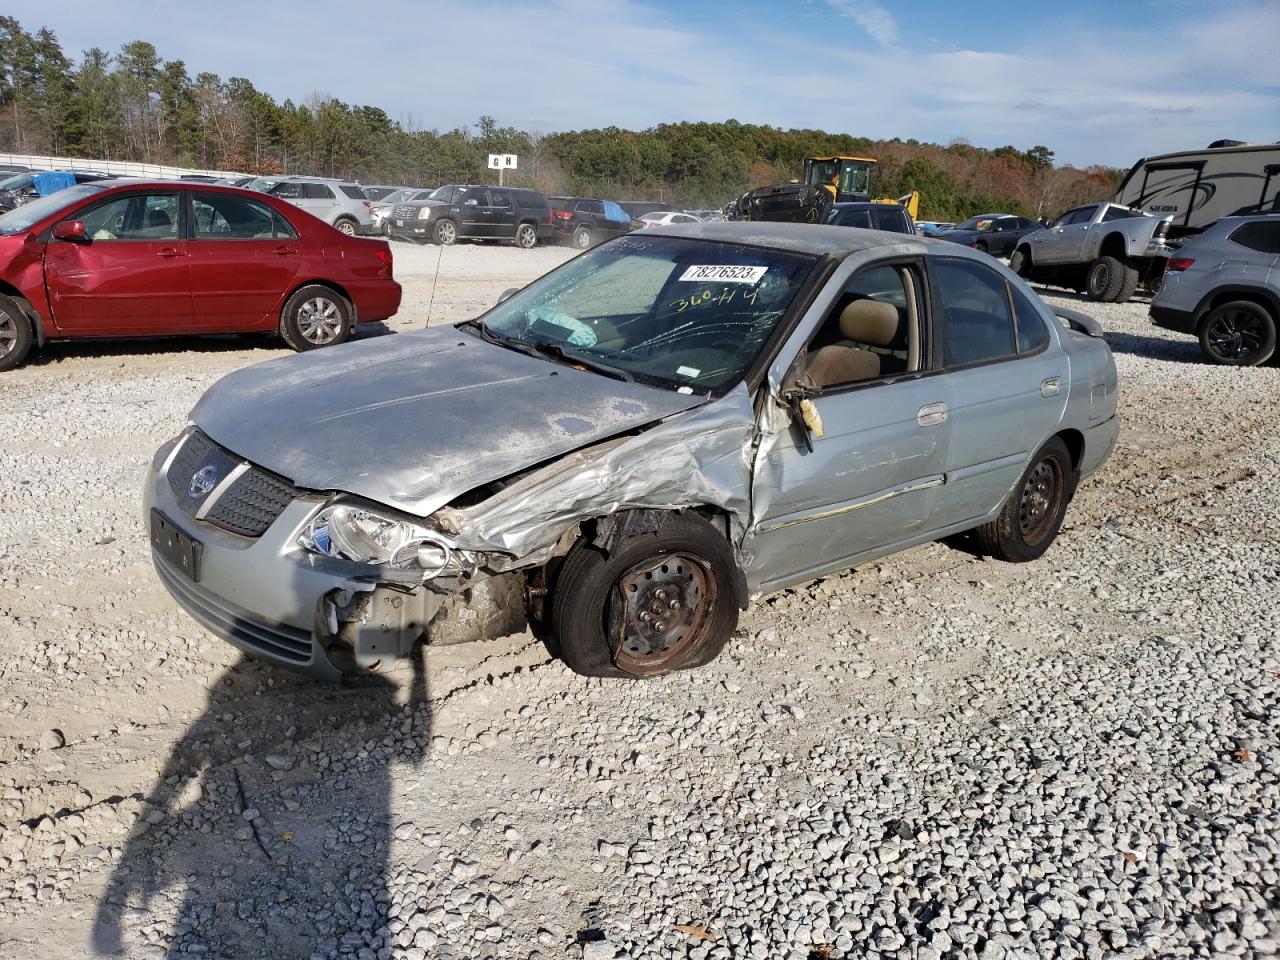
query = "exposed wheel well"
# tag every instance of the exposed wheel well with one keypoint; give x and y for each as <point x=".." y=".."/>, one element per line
<point x="1074" y="440"/>
<point x="1113" y="246"/>
<point x="1226" y="296"/>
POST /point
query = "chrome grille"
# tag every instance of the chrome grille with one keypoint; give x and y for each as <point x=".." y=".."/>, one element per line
<point x="247" y="506"/>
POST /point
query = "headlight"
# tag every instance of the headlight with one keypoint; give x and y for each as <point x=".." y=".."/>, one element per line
<point x="424" y="213"/>
<point x="361" y="535"/>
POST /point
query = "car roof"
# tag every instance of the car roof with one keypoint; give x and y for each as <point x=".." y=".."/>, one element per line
<point x="817" y="239"/>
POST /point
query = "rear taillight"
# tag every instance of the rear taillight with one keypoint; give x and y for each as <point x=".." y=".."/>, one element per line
<point x="386" y="259"/>
<point x="561" y="215"/>
<point x="1178" y="264"/>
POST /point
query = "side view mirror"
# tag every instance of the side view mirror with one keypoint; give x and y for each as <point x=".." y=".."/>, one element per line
<point x="69" y="230"/>
<point x="804" y="411"/>
<point x="507" y="294"/>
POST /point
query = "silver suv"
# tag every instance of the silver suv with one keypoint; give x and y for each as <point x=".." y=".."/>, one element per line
<point x="1223" y="286"/>
<point x="340" y="203"/>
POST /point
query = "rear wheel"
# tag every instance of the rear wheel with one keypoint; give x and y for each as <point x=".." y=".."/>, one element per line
<point x="315" y="316"/>
<point x="582" y="238"/>
<point x="346" y="225"/>
<point x="1238" y="334"/>
<point x="16" y="335"/>
<point x="527" y="236"/>
<point x="980" y="247"/>
<point x="658" y="602"/>
<point x="1033" y="514"/>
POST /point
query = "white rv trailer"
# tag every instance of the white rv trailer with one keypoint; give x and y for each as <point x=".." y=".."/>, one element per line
<point x="1199" y="186"/>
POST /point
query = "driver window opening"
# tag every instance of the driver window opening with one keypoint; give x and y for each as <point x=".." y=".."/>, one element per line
<point x="872" y="331"/>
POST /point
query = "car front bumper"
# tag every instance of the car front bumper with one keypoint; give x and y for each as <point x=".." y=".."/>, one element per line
<point x="270" y="598"/>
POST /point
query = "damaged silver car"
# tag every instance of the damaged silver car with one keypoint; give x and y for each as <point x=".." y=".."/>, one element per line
<point x="628" y="451"/>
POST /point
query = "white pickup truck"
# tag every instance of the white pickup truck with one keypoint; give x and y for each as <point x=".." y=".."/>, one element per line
<point x="1104" y="250"/>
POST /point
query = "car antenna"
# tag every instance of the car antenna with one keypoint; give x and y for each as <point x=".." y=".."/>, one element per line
<point x="439" y="257"/>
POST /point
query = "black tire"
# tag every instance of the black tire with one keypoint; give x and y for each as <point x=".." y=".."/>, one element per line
<point x="16" y="335"/>
<point x="1104" y="279"/>
<point x="1032" y="516"/>
<point x="1129" y="278"/>
<point x="445" y="233"/>
<point x="346" y="225"/>
<point x="981" y="247"/>
<point x="315" y="316"/>
<point x="582" y="238"/>
<point x="689" y="557"/>
<point x="1238" y="334"/>
<point x="1020" y="263"/>
<point x="526" y="236"/>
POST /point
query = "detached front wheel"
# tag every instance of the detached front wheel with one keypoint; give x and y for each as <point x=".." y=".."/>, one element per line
<point x="658" y="602"/>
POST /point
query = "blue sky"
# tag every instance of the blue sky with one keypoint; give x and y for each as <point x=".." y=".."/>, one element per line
<point x="1096" y="82"/>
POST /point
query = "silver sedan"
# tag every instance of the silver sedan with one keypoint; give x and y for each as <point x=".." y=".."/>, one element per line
<point x="632" y="449"/>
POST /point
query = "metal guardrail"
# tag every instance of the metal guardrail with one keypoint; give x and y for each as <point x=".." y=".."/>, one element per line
<point x="119" y="168"/>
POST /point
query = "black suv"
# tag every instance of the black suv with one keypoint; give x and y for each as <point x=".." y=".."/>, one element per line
<point x="467" y="212"/>
<point x="586" y="221"/>
<point x="892" y="217"/>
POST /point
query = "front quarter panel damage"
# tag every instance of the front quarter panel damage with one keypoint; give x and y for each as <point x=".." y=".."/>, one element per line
<point x="701" y="458"/>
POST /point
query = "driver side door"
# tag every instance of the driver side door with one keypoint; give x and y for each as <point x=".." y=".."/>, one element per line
<point x="870" y="482"/>
<point x="130" y="274"/>
<point x="1063" y="241"/>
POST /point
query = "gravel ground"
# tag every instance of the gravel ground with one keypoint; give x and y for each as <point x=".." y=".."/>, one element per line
<point x="932" y="756"/>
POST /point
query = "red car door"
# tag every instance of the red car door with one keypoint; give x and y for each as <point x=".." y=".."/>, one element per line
<point x="244" y="258"/>
<point x="128" y="275"/>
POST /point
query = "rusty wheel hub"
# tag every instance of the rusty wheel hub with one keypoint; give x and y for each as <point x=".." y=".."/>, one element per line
<point x="660" y="607"/>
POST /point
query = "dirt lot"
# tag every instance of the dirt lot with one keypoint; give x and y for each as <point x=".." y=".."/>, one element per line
<point x="934" y="756"/>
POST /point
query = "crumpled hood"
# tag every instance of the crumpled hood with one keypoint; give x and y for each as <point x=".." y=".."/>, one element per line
<point x="415" y="420"/>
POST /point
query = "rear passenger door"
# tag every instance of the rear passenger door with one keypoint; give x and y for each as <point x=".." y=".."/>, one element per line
<point x="502" y="217"/>
<point x="1006" y="384"/>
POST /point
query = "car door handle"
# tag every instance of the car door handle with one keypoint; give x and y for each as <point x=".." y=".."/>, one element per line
<point x="932" y="414"/>
<point x="284" y="251"/>
<point x="168" y="252"/>
<point x="1050" y="387"/>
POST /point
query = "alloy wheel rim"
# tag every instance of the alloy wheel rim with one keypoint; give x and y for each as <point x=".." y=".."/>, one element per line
<point x="658" y="609"/>
<point x="447" y="233"/>
<point x="346" y="228"/>
<point x="1236" y="335"/>
<point x="584" y="239"/>
<point x="527" y="237"/>
<point x="1040" y="500"/>
<point x="8" y="333"/>
<point x="319" y="320"/>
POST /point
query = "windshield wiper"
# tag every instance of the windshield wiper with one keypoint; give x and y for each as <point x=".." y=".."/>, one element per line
<point x="558" y="352"/>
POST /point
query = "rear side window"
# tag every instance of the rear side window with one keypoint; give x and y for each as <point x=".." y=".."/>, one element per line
<point x="229" y="217"/>
<point x="976" y="321"/>
<point x="1032" y="334"/>
<point x="888" y="218"/>
<point x="528" y="198"/>
<point x="355" y="193"/>
<point x="591" y="206"/>
<point x="852" y="218"/>
<point x="1118" y="213"/>
<point x="499" y="198"/>
<point x="316" y="191"/>
<point x="1263" y="236"/>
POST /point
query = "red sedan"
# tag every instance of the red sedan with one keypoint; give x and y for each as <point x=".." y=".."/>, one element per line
<point x="144" y="258"/>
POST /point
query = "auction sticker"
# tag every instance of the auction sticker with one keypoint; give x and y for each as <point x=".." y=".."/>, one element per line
<point x="724" y="273"/>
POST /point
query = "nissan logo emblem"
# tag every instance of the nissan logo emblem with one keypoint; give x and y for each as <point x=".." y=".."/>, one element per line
<point x="204" y="480"/>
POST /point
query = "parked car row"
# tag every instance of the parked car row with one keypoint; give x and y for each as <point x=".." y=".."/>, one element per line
<point x="136" y="257"/>
<point x="24" y="186"/>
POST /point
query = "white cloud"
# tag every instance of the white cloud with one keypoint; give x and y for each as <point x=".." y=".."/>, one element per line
<point x="871" y="17"/>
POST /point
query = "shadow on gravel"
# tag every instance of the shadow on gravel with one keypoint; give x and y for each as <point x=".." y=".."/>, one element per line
<point x="1156" y="348"/>
<point x="58" y="350"/>
<point x="277" y="848"/>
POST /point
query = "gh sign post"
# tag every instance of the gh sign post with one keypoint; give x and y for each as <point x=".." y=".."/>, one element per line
<point x="502" y="162"/>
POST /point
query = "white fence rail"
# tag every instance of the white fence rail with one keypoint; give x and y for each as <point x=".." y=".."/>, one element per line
<point x="118" y="168"/>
